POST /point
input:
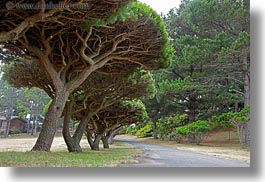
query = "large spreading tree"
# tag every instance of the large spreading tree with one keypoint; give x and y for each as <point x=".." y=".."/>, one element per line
<point x="70" y="44"/>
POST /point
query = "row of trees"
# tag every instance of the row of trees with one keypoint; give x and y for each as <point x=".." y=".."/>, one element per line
<point x="94" y="64"/>
<point x="90" y="62"/>
<point x="210" y="74"/>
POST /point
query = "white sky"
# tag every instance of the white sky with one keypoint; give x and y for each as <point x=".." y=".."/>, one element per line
<point x="162" y="6"/>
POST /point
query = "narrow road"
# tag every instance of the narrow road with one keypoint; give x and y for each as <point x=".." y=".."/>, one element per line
<point x="161" y="156"/>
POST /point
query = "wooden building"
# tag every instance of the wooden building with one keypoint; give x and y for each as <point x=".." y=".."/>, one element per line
<point x="16" y="124"/>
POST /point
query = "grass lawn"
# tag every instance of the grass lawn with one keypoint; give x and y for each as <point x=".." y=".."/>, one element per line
<point x="117" y="154"/>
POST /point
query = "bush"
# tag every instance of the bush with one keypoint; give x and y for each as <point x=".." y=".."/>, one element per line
<point x="14" y="131"/>
<point x="146" y="131"/>
<point x="131" y="130"/>
<point x="195" y="130"/>
<point x="24" y="131"/>
<point x="2" y="133"/>
<point x="222" y="121"/>
<point x="166" y="127"/>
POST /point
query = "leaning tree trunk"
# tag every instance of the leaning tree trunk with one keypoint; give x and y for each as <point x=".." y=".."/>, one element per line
<point x="111" y="139"/>
<point x="112" y="135"/>
<point x="105" y="142"/>
<point x="96" y="142"/>
<point x="81" y="129"/>
<point x="89" y="139"/>
<point x="71" y="144"/>
<point x="49" y="127"/>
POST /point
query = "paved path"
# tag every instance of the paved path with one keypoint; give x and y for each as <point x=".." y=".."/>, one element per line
<point x="161" y="156"/>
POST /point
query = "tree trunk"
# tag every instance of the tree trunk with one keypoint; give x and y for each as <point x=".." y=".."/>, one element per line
<point x="9" y="111"/>
<point x="81" y="128"/>
<point x="33" y="131"/>
<point x="96" y="142"/>
<point x="104" y="140"/>
<point x="72" y="145"/>
<point x="89" y="139"/>
<point x="7" y="129"/>
<point x="155" y="130"/>
<point x="246" y="76"/>
<point x="49" y="127"/>
<point x="192" y="115"/>
<point x="112" y="135"/>
<point x="236" y="107"/>
<point x="192" y="109"/>
<point x="28" y="128"/>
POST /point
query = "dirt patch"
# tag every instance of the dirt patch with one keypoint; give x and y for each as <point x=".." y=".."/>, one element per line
<point x="227" y="151"/>
<point x="25" y="144"/>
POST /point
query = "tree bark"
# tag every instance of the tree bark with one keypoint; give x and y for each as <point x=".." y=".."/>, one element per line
<point x="246" y="76"/>
<point x="89" y="139"/>
<point x="192" y="108"/>
<point x="96" y="142"/>
<point x="155" y="130"/>
<point x="105" y="142"/>
<point x="49" y="127"/>
<point x="34" y="129"/>
<point x="28" y="127"/>
<point x="11" y="95"/>
<point x="72" y="145"/>
<point x="81" y="128"/>
<point x="112" y="135"/>
<point x="7" y="129"/>
<point x="192" y="115"/>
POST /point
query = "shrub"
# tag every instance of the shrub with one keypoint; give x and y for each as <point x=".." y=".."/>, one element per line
<point x="196" y="130"/>
<point x="166" y="127"/>
<point x="222" y="121"/>
<point x="2" y="133"/>
<point x="146" y="131"/>
<point x="14" y="131"/>
<point x="131" y="130"/>
<point x="24" y="131"/>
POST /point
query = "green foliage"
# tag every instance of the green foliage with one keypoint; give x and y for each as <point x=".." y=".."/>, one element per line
<point x="142" y="77"/>
<point x="137" y="104"/>
<point x="237" y="47"/>
<point x="134" y="128"/>
<point x="45" y="109"/>
<point x="131" y="129"/>
<point x="15" y="131"/>
<point x="179" y="85"/>
<point x="196" y="129"/>
<point x="2" y="133"/>
<point x="146" y="131"/>
<point x="224" y="120"/>
<point x="243" y="115"/>
<point x="166" y="127"/>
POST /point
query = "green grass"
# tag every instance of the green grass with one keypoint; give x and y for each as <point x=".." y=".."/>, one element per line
<point x="119" y="153"/>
